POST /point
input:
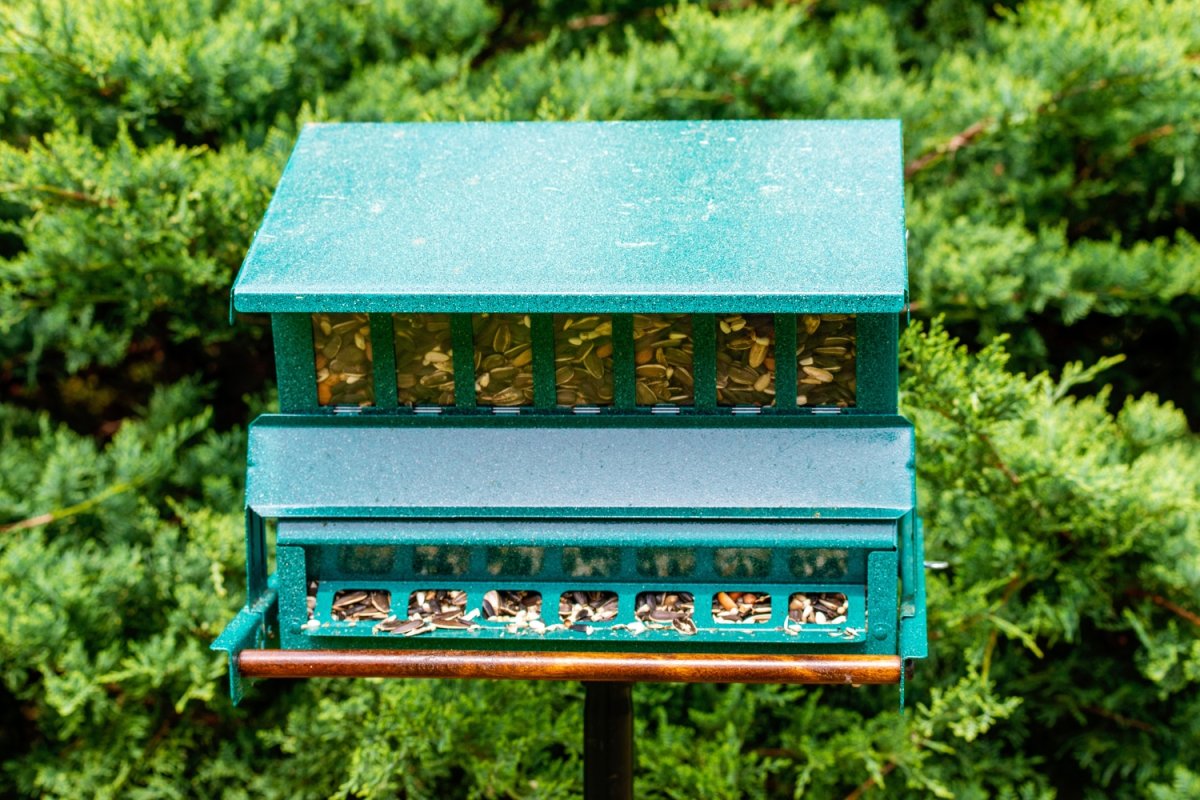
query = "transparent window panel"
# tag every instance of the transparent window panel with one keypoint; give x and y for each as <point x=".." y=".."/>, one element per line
<point x="342" y="349"/>
<point x="591" y="562"/>
<point x="745" y="359"/>
<point x="820" y="563"/>
<point x="365" y="559"/>
<point x="503" y="360"/>
<point x="742" y="562"/>
<point x="444" y="559"/>
<point x="424" y="359"/>
<point x="826" y="350"/>
<point x="663" y="353"/>
<point x="666" y="562"/>
<point x="520" y="561"/>
<point x="583" y="351"/>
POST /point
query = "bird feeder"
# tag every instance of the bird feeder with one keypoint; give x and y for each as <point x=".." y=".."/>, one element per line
<point x="598" y="401"/>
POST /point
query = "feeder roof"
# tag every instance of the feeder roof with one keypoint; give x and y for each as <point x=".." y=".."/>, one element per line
<point x="746" y="216"/>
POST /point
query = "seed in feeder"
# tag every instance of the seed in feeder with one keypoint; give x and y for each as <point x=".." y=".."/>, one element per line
<point x="663" y="352"/>
<point x="518" y="607"/>
<point x="583" y="359"/>
<point x="674" y="610"/>
<point x="818" y="608"/>
<point x="352" y="605"/>
<point x="821" y="375"/>
<point x="501" y="344"/>
<point x="437" y="608"/>
<point x="587" y="605"/>
<point x="342" y="350"/>
<point x="741" y="607"/>
<point x="745" y="368"/>
<point x="826" y="361"/>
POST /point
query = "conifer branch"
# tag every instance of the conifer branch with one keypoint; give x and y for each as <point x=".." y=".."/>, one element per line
<point x="870" y="783"/>
<point x="71" y="510"/>
<point x="950" y="147"/>
<point x="1120" y="719"/>
<point x="975" y="130"/>
<point x="1163" y="602"/>
<point x="57" y="191"/>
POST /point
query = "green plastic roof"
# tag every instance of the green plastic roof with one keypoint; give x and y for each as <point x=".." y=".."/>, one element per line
<point x="752" y="216"/>
<point x="563" y="468"/>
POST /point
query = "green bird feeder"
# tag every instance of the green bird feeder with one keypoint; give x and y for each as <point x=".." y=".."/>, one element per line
<point x="583" y="401"/>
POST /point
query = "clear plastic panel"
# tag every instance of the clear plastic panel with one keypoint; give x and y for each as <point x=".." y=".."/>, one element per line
<point x="583" y="352"/>
<point x="424" y="359"/>
<point x="503" y="360"/>
<point x="663" y="354"/>
<point x="826" y="349"/>
<point x="745" y="359"/>
<point x="343" y="358"/>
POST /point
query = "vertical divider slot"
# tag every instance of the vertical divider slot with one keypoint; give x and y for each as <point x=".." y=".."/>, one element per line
<point x="704" y="366"/>
<point x="383" y="350"/>
<point x="785" y="362"/>
<point x="545" y="393"/>
<point x="624" y="378"/>
<point x="462" y="337"/>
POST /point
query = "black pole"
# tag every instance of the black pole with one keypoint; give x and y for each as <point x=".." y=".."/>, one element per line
<point x="608" y="741"/>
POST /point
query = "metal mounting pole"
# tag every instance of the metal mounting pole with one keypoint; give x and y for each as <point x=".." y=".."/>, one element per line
<point x="608" y="741"/>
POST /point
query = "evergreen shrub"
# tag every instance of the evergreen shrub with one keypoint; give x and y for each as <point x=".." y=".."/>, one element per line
<point x="1053" y="164"/>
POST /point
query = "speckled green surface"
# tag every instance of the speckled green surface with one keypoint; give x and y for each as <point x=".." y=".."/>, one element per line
<point x="578" y="467"/>
<point x="754" y="216"/>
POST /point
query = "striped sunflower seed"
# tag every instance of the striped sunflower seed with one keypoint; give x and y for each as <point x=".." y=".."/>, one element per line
<point x="343" y="359"/>
<point x="826" y="359"/>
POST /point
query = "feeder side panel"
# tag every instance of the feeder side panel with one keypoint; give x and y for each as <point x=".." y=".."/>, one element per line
<point x="295" y="371"/>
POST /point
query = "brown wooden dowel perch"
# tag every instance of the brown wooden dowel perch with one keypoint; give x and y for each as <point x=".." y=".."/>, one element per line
<point x="621" y="667"/>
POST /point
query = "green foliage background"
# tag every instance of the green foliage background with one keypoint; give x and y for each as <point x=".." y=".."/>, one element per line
<point x="1053" y="152"/>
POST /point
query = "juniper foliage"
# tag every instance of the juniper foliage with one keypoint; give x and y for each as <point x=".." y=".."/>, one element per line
<point x="1053" y="196"/>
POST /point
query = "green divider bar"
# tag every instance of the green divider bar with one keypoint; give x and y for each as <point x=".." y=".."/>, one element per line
<point x="704" y="364"/>
<point x="383" y="350"/>
<point x="545" y="392"/>
<point x="462" y="338"/>
<point x="624" y="377"/>
<point x="785" y="362"/>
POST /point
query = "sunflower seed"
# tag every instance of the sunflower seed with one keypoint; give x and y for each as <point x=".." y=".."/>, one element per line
<point x="663" y="353"/>
<point x="343" y="357"/>
<point x="666" y="610"/>
<point x="587" y="605"/>
<point x="746" y="360"/>
<point x="503" y="359"/>
<point x="741" y="607"/>
<point x="583" y="351"/>
<point x="352" y="605"/>
<point x="826" y="360"/>
<point x="818" y="608"/>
